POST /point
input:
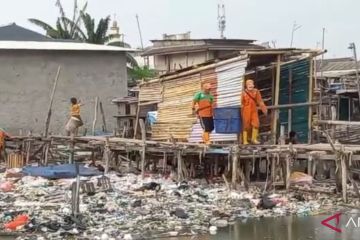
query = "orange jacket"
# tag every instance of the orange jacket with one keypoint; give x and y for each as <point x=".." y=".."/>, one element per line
<point x="249" y="102"/>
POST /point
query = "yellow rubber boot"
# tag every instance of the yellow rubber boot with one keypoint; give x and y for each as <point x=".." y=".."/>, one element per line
<point x="245" y="137"/>
<point x="254" y="136"/>
<point x="206" y="138"/>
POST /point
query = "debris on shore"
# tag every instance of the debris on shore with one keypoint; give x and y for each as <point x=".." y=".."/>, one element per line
<point x="142" y="209"/>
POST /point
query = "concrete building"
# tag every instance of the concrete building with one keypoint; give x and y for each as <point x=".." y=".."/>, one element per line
<point x="178" y="51"/>
<point x="28" y="67"/>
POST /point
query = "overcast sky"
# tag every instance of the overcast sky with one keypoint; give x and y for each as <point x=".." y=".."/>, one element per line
<point x="263" y="20"/>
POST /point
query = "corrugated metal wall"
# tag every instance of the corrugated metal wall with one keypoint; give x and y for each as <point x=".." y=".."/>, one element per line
<point x="294" y="88"/>
<point x="228" y="89"/>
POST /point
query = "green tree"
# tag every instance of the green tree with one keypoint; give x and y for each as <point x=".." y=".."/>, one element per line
<point x="138" y="73"/>
<point x="93" y="35"/>
<point x="65" y="28"/>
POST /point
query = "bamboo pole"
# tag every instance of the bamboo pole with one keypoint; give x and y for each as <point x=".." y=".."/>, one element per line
<point x="333" y="122"/>
<point x="103" y="117"/>
<point x="179" y="166"/>
<point x="276" y="99"/>
<point x="344" y="178"/>
<point x="95" y="115"/>
<point x="137" y="118"/>
<point x="310" y="115"/>
<point x="235" y="159"/>
<point x="287" y="173"/>
<point x="143" y="151"/>
<point x="48" y="118"/>
<point x="107" y="154"/>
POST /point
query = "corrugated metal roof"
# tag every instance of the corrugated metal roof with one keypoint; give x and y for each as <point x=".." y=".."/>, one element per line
<point x="336" y="64"/>
<point x="197" y="48"/>
<point x="59" y="46"/>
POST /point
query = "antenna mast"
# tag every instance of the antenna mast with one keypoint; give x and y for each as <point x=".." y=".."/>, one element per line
<point x="146" y="59"/>
<point x="221" y="19"/>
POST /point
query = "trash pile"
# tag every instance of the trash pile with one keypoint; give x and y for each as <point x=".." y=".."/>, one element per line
<point x="134" y="208"/>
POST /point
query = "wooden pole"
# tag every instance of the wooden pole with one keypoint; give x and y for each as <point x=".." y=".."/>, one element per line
<point x="344" y="178"/>
<point x="276" y="99"/>
<point x="290" y="101"/>
<point x="235" y="163"/>
<point x="310" y="115"/>
<point x="72" y="149"/>
<point x="143" y="151"/>
<point x="95" y="115"/>
<point x="137" y="118"/>
<point x="107" y="154"/>
<point x="103" y="117"/>
<point x="179" y="166"/>
<point x="47" y="123"/>
<point x="28" y="149"/>
<point x="287" y="173"/>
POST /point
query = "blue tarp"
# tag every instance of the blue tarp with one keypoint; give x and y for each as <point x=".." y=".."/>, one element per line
<point x="60" y="171"/>
<point x="151" y="117"/>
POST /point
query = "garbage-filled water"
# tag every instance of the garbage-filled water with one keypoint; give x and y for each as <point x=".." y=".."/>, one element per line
<point x="281" y="228"/>
<point x="158" y="207"/>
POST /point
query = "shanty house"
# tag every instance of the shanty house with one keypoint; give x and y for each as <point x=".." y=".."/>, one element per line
<point x="29" y="64"/>
<point x="285" y="78"/>
<point x="338" y="86"/>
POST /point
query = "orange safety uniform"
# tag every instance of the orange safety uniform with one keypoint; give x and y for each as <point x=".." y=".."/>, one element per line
<point x="204" y="102"/>
<point x="250" y="100"/>
<point x="2" y="139"/>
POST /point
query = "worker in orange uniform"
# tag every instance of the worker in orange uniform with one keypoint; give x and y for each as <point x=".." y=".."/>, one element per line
<point x="250" y="99"/>
<point x="203" y="106"/>
<point x="3" y="135"/>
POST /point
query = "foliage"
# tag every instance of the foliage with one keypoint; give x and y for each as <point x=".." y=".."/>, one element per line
<point x="139" y="73"/>
<point x="65" y="28"/>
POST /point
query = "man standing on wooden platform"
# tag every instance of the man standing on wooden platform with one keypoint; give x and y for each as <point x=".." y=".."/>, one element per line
<point x="203" y="107"/>
<point x="250" y="99"/>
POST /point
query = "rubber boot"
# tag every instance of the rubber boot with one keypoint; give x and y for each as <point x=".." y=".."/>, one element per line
<point x="204" y="137"/>
<point x="254" y="136"/>
<point x="245" y="137"/>
<point x="207" y="138"/>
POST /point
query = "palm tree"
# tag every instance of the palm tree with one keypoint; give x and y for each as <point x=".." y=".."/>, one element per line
<point x="65" y="28"/>
<point x="92" y="35"/>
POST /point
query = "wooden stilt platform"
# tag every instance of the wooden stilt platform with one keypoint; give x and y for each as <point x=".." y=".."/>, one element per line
<point x="240" y="158"/>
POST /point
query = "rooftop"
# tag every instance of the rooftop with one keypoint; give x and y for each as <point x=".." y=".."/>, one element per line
<point x="13" y="32"/>
<point x="14" y="37"/>
<point x="170" y="46"/>
<point x="336" y="67"/>
<point x="59" y="46"/>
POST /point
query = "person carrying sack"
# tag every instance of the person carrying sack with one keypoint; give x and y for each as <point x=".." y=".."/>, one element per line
<point x="75" y="120"/>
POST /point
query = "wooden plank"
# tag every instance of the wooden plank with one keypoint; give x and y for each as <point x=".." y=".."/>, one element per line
<point x="333" y="122"/>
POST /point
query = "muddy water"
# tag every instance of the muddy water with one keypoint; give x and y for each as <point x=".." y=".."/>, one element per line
<point x="285" y="228"/>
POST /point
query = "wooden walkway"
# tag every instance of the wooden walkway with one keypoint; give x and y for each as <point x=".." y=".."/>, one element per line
<point x="240" y="157"/>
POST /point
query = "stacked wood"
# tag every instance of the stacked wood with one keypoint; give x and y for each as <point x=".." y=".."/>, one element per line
<point x="175" y="118"/>
<point x="15" y="160"/>
<point x="151" y="92"/>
